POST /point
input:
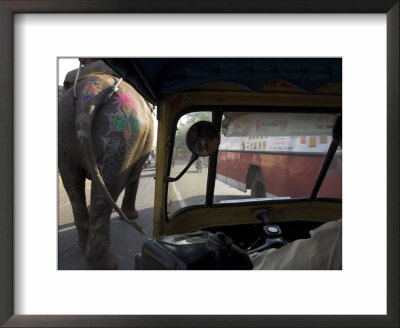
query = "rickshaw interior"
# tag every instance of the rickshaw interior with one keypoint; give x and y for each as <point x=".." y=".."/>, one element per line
<point x="248" y="157"/>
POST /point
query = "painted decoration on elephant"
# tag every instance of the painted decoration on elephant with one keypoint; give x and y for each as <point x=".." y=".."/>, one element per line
<point x="81" y="119"/>
<point x="109" y="169"/>
<point x="124" y="119"/>
<point x="112" y="147"/>
<point x="100" y="200"/>
<point x="89" y="90"/>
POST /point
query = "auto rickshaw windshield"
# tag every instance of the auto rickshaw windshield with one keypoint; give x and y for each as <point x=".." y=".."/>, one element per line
<point x="262" y="156"/>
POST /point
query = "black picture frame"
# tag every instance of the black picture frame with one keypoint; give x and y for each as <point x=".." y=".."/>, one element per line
<point x="7" y="11"/>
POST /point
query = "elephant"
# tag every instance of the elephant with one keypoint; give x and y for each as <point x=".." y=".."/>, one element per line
<point x="88" y="65"/>
<point x="105" y="133"/>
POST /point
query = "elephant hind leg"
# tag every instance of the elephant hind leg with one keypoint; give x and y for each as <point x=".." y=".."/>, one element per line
<point x="129" y="200"/>
<point x="74" y="184"/>
<point x="98" y="251"/>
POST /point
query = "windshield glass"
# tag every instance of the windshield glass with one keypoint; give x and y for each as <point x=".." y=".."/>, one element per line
<point x="332" y="185"/>
<point x="190" y="189"/>
<point x="272" y="156"/>
<point x="261" y="156"/>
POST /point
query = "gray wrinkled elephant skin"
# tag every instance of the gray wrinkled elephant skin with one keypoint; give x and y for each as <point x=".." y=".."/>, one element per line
<point x="105" y="135"/>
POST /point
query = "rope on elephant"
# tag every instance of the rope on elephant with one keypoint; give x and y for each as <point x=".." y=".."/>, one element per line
<point x="76" y="80"/>
<point x="109" y="95"/>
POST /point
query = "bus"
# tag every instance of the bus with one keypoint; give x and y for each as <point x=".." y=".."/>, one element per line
<point x="275" y="155"/>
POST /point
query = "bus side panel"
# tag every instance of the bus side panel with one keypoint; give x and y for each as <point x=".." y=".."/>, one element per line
<point x="303" y="172"/>
<point x="275" y="172"/>
<point x="232" y="166"/>
<point x="284" y="175"/>
<point x="332" y="184"/>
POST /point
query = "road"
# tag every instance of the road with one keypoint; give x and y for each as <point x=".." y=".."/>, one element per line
<point x="125" y="240"/>
<point x="191" y="188"/>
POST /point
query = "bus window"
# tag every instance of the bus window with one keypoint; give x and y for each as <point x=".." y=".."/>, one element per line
<point x="190" y="189"/>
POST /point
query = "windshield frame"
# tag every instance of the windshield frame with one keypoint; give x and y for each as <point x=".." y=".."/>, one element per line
<point x="217" y="114"/>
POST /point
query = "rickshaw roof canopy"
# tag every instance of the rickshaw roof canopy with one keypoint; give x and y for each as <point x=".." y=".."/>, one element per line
<point x="155" y="76"/>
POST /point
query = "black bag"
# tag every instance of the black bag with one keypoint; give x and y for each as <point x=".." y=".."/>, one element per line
<point x="200" y="250"/>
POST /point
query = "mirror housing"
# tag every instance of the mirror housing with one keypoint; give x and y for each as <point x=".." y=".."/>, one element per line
<point x="202" y="138"/>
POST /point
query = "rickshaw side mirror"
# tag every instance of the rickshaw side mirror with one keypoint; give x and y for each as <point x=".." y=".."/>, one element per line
<point x="202" y="138"/>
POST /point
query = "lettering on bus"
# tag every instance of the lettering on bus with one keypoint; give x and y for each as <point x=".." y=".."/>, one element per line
<point x="279" y="124"/>
<point x="264" y="125"/>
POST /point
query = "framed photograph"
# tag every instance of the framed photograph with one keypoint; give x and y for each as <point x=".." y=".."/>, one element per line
<point x="36" y="34"/>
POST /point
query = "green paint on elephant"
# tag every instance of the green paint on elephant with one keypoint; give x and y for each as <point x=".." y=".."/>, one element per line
<point x="82" y="133"/>
<point x="99" y="239"/>
<point x="112" y="147"/>
<point x="119" y="122"/>
<point x="82" y="118"/>
<point x="134" y="125"/>
<point x="105" y="140"/>
<point x="127" y="111"/>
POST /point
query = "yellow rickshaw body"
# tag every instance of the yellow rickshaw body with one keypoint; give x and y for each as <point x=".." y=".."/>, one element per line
<point x="170" y="106"/>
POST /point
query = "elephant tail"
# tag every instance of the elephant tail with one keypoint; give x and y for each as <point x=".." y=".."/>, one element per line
<point x="85" y="111"/>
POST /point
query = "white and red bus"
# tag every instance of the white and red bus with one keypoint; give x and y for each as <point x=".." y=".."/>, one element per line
<point x="275" y="155"/>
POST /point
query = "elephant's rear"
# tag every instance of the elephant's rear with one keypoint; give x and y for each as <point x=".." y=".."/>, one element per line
<point x="122" y="134"/>
<point x="106" y="132"/>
